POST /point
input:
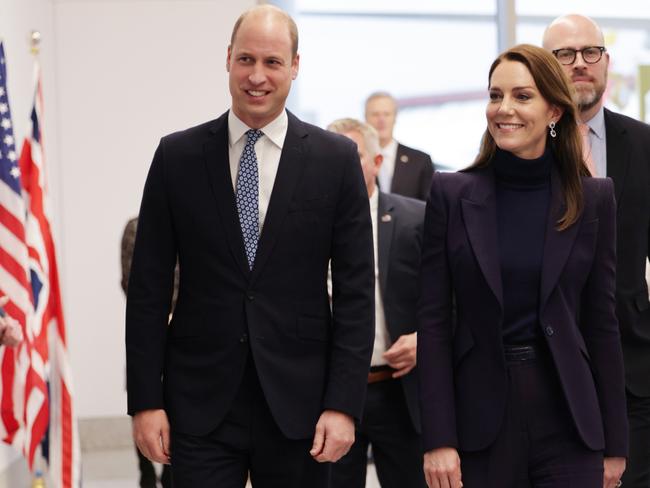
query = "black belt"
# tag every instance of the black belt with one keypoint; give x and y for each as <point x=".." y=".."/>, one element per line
<point x="518" y="353"/>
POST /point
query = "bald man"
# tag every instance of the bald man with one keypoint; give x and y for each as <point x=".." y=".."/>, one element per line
<point x="618" y="147"/>
<point x="256" y="374"/>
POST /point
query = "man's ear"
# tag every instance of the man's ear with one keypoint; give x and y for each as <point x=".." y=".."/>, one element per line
<point x="295" y="64"/>
<point x="379" y="158"/>
<point x="228" y="59"/>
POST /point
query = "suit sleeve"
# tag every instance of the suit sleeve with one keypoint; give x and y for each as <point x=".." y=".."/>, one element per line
<point x="149" y="292"/>
<point x="600" y="327"/>
<point x="435" y="367"/>
<point x="353" y="294"/>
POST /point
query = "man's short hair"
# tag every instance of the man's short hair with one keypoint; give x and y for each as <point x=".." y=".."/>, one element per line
<point x="368" y="132"/>
<point x="380" y="94"/>
<point x="291" y="24"/>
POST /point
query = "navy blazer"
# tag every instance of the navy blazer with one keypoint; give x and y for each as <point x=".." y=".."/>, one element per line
<point x="308" y="357"/>
<point x="628" y="164"/>
<point x="412" y="174"/>
<point x="399" y="243"/>
<point x="462" y="369"/>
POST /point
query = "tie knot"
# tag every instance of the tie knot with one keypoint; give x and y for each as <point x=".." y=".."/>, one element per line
<point x="253" y="135"/>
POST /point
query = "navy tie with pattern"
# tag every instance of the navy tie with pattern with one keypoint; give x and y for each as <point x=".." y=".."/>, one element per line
<point x="247" y="195"/>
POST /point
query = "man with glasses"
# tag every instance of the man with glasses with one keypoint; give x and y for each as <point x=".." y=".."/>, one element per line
<point x="618" y="147"/>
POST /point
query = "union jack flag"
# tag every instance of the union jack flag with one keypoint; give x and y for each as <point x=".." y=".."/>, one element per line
<point x="36" y="387"/>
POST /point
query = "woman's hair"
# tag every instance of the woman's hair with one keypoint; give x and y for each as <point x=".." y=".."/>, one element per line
<point x="556" y="89"/>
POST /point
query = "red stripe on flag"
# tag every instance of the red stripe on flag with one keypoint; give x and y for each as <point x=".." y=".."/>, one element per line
<point x="13" y="268"/>
<point x="9" y="420"/>
<point x="10" y="221"/>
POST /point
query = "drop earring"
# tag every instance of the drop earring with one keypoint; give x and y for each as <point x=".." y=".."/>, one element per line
<point x="551" y="129"/>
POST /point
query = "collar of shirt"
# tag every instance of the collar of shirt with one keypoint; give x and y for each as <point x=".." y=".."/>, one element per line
<point x="597" y="124"/>
<point x="390" y="148"/>
<point x="276" y="130"/>
<point x="374" y="202"/>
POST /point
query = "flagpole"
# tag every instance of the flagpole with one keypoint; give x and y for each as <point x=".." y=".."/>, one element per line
<point x="35" y="42"/>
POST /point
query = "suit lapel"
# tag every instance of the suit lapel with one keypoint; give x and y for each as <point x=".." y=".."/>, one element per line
<point x="618" y="153"/>
<point x="398" y="171"/>
<point x="385" y="228"/>
<point x="292" y="164"/>
<point x="218" y="169"/>
<point x="557" y="244"/>
<point x="480" y="219"/>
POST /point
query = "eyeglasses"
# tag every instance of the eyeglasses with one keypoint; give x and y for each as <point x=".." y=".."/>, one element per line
<point x="591" y="54"/>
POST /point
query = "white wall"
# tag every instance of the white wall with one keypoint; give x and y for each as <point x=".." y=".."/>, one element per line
<point x="128" y="73"/>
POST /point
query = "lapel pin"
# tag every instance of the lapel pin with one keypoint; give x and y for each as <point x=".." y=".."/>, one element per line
<point x="386" y="218"/>
<point x="404" y="158"/>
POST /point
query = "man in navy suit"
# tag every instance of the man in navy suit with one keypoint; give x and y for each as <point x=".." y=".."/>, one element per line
<point x="619" y="147"/>
<point x="391" y="417"/>
<point x="256" y="374"/>
<point x="405" y="170"/>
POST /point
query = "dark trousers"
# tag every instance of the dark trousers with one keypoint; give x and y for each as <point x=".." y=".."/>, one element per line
<point x="637" y="472"/>
<point x="538" y="445"/>
<point x="248" y="441"/>
<point x="396" y="447"/>
<point x="148" y="473"/>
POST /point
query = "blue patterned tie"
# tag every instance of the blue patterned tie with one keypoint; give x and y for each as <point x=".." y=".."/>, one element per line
<point x="247" y="191"/>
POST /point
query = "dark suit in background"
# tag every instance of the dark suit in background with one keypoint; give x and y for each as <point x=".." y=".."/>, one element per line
<point x="412" y="174"/>
<point x="391" y="417"/>
<point x="628" y="164"/>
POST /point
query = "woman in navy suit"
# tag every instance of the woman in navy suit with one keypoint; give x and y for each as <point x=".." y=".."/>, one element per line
<point x="521" y="372"/>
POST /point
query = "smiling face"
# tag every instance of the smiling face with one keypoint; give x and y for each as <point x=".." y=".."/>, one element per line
<point x="517" y="114"/>
<point x="589" y="80"/>
<point x="261" y="67"/>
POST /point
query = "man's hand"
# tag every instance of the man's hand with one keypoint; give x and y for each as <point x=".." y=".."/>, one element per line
<point x="11" y="334"/>
<point x="151" y="435"/>
<point x="613" y="470"/>
<point x="442" y="468"/>
<point x="402" y="355"/>
<point x="333" y="438"/>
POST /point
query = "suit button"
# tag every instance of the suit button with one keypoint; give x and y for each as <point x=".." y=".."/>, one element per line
<point x="549" y="330"/>
<point x="244" y="338"/>
<point x="250" y="297"/>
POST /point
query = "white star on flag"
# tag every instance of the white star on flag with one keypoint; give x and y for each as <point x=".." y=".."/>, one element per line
<point x="15" y="172"/>
<point x="6" y="123"/>
<point x="2" y="91"/>
<point x="3" y="108"/>
<point x="9" y="140"/>
<point x="11" y="155"/>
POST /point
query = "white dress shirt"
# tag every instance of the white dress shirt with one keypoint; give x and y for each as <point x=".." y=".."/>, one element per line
<point x="598" y="142"/>
<point x="382" y="339"/>
<point x="268" y="149"/>
<point x="385" y="176"/>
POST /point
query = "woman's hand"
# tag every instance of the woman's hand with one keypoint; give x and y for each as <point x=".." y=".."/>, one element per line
<point x="442" y="468"/>
<point x="613" y="470"/>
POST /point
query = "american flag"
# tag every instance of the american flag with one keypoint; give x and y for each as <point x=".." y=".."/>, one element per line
<point x="23" y="392"/>
<point x="29" y="276"/>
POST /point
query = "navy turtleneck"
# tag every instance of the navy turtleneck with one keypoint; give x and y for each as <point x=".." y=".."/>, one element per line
<point x="523" y="189"/>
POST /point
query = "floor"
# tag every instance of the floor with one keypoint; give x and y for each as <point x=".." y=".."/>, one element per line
<point x="118" y="469"/>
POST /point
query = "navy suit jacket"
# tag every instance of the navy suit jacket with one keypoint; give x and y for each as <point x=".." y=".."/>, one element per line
<point x="412" y="174"/>
<point x="628" y="164"/>
<point x="399" y="232"/>
<point x="461" y="362"/>
<point x="308" y="357"/>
